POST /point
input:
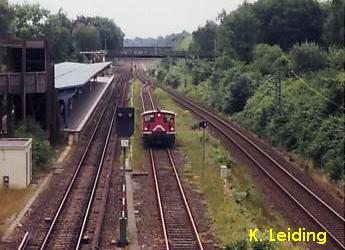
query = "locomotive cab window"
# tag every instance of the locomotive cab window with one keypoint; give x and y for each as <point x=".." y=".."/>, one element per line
<point x="149" y="118"/>
<point x="168" y="118"/>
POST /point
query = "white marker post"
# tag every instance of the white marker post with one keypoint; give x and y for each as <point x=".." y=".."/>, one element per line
<point x="123" y="220"/>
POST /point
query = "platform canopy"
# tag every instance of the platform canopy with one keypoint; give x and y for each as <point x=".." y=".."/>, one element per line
<point x="71" y="75"/>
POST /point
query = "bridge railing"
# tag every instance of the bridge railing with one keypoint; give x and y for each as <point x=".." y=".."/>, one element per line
<point x="159" y="52"/>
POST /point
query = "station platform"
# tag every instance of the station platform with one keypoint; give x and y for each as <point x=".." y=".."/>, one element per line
<point x="83" y="106"/>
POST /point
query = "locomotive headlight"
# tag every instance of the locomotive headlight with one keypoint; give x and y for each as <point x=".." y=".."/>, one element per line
<point x="145" y="128"/>
<point x="172" y="128"/>
<point x="159" y="115"/>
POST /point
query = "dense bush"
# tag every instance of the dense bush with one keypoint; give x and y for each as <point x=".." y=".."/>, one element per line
<point x="307" y="123"/>
<point x="171" y="80"/>
<point x="239" y="91"/>
<point x="308" y="57"/>
<point x="41" y="150"/>
<point x="336" y="58"/>
<point x="267" y="58"/>
<point x="240" y="245"/>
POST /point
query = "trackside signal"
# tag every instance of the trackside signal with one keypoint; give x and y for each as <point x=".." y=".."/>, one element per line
<point x="125" y="122"/>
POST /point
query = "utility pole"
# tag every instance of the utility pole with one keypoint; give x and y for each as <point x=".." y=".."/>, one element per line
<point x="203" y="125"/>
<point x="279" y="92"/>
<point x="185" y="72"/>
<point x="278" y="95"/>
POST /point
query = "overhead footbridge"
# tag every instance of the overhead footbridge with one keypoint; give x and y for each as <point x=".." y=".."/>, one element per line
<point x="151" y="52"/>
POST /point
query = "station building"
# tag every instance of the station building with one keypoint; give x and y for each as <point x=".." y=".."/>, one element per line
<point x="27" y="85"/>
<point x="60" y="97"/>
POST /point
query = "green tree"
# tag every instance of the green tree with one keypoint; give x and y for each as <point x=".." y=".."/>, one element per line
<point x="205" y="37"/>
<point x="29" y="20"/>
<point x="111" y="35"/>
<point x="237" y="34"/>
<point x="308" y="57"/>
<point x="5" y="17"/>
<point x="87" y="38"/>
<point x="286" y="22"/>
<point x="58" y="33"/>
<point x="334" y="24"/>
<point x="266" y="58"/>
<point x="239" y="92"/>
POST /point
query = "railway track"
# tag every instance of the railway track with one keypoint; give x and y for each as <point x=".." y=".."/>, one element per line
<point x="91" y="230"/>
<point x="68" y="225"/>
<point x="178" y="226"/>
<point x="320" y="208"/>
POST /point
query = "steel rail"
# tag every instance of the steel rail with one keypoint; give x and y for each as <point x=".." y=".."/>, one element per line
<point x="99" y="169"/>
<point x="159" y="200"/>
<point x="72" y="182"/>
<point x="190" y="216"/>
<point x="24" y="241"/>
<point x="203" y="113"/>
<point x="151" y="100"/>
<point x="160" y="207"/>
<point x="181" y="190"/>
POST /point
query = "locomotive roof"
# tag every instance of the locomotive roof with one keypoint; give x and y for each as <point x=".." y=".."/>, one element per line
<point x="156" y="111"/>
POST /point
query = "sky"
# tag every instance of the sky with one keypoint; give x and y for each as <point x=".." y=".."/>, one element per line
<point x="144" y="18"/>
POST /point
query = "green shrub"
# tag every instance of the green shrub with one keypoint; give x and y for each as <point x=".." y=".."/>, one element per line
<point x="308" y="57"/>
<point x="266" y="57"/>
<point x="239" y="92"/>
<point x="171" y="80"/>
<point x="240" y="245"/>
<point x="262" y="245"/>
<point x="336" y="58"/>
<point x="41" y="150"/>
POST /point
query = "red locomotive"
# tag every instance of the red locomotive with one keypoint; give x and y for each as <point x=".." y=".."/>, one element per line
<point x="158" y="128"/>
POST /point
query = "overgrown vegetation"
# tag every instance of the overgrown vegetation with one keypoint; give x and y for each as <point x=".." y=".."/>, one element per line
<point x="66" y="37"/>
<point x="298" y="45"/>
<point x="136" y="159"/>
<point x="236" y="208"/>
<point x="41" y="150"/>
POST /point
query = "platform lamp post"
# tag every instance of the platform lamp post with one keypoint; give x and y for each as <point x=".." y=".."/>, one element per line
<point x="203" y="125"/>
<point x="124" y="130"/>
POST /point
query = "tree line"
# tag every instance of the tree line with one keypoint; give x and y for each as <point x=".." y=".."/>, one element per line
<point x="279" y="71"/>
<point x="167" y="41"/>
<point x="283" y="23"/>
<point x="66" y="37"/>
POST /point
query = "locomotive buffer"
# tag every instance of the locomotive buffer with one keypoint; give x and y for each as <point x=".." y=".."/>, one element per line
<point x="124" y="130"/>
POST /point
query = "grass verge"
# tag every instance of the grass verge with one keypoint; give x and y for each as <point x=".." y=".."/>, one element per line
<point x="11" y="203"/>
<point x="136" y="141"/>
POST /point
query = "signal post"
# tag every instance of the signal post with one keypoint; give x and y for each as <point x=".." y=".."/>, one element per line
<point x="124" y="130"/>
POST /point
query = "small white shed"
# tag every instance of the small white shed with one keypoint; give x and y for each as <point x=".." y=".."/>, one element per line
<point x="15" y="162"/>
